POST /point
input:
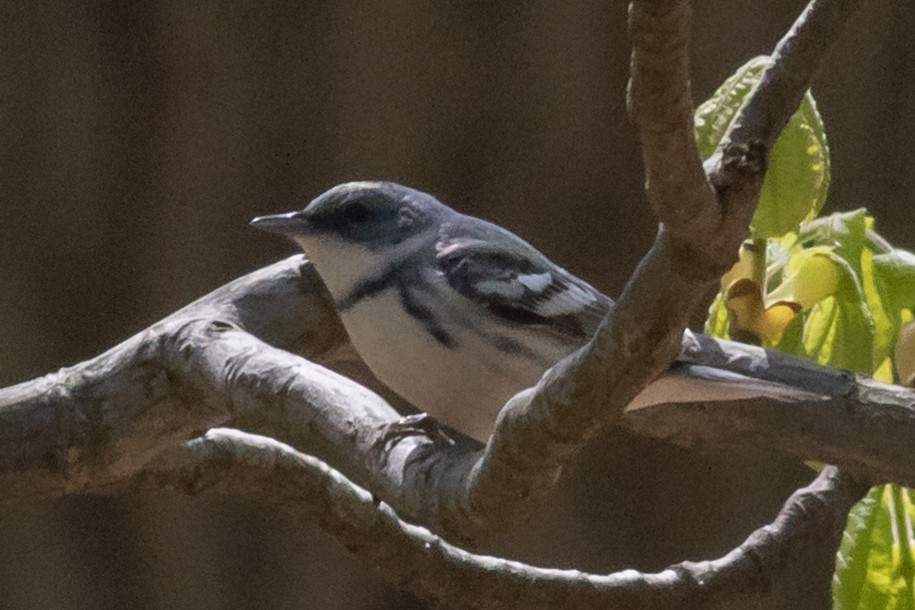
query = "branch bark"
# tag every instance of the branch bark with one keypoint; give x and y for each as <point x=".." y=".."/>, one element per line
<point x="661" y="105"/>
<point x="737" y="169"/>
<point x="99" y="420"/>
<point x="226" y="461"/>
<point x="88" y="426"/>
<point x="703" y="222"/>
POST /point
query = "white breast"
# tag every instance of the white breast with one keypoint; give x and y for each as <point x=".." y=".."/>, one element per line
<point x="466" y="386"/>
<point x="463" y="387"/>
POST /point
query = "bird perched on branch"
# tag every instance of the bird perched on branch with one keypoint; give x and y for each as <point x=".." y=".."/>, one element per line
<point x="456" y="314"/>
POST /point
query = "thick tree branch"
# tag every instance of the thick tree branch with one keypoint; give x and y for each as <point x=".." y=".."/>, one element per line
<point x="698" y="240"/>
<point x="126" y="415"/>
<point x="92" y="424"/>
<point x="661" y="104"/>
<point x="226" y="461"/>
<point x="95" y="422"/>
<point x="102" y="418"/>
<point x="539" y="429"/>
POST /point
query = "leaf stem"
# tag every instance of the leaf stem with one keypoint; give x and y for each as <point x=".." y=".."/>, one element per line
<point x="758" y="247"/>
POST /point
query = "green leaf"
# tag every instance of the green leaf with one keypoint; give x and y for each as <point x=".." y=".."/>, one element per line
<point x="839" y="330"/>
<point x="845" y="231"/>
<point x="874" y="565"/>
<point x="886" y="324"/>
<point x="852" y="566"/>
<point x="855" y="297"/>
<point x="895" y="274"/>
<point x="792" y="341"/>
<point x="847" y="234"/>
<point x="797" y="179"/>
<point x="810" y="276"/>
<point x="714" y="116"/>
<point x="716" y="325"/>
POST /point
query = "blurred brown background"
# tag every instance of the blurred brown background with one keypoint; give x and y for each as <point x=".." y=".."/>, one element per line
<point x="139" y="138"/>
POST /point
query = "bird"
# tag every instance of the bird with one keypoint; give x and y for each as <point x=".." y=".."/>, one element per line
<point x="456" y="314"/>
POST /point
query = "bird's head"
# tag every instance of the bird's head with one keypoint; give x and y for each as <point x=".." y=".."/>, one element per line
<point x="358" y="226"/>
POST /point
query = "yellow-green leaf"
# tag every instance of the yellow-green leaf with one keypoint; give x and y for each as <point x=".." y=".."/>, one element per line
<point x="874" y="565"/>
<point x="797" y="178"/>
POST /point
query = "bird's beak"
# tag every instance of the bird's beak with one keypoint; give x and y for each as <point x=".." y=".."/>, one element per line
<point x="288" y="224"/>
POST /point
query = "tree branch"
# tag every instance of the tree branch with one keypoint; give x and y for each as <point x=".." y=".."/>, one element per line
<point x="738" y="167"/>
<point x="90" y="425"/>
<point x="102" y="422"/>
<point x="831" y="429"/>
<point x="698" y="240"/>
<point x="226" y="461"/>
<point x="661" y="105"/>
<point x="792" y="65"/>
<point x="101" y="419"/>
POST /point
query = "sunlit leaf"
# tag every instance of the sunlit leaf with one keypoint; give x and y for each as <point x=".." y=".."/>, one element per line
<point x="886" y="322"/>
<point x="852" y="561"/>
<point x="835" y="291"/>
<point x="839" y="331"/>
<point x="895" y="273"/>
<point x="812" y="275"/>
<point x="904" y="354"/>
<point x="716" y="325"/>
<point x="797" y="178"/>
<point x="714" y="116"/>
<point x="874" y="565"/>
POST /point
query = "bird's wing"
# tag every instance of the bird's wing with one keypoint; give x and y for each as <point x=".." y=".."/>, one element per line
<point x="520" y="285"/>
<point x="516" y="282"/>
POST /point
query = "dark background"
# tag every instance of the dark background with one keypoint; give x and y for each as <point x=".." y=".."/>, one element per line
<point x="137" y="139"/>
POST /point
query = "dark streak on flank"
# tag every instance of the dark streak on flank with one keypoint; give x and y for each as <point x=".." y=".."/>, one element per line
<point x="424" y="316"/>
<point x="509" y="346"/>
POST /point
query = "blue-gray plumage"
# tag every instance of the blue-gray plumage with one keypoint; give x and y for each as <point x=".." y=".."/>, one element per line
<point x="452" y="312"/>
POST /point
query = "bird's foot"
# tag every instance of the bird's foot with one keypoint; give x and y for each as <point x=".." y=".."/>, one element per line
<point x="417" y="424"/>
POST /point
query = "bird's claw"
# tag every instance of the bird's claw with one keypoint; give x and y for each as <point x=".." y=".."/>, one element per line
<point x="414" y="425"/>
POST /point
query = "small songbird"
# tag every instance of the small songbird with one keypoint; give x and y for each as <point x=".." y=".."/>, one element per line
<point x="456" y="314"/>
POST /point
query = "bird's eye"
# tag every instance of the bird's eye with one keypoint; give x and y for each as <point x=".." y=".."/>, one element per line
<point x="356" y="213"/>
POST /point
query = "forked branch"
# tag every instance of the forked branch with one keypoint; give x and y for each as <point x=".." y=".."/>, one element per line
<point x="227" y="358"/>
